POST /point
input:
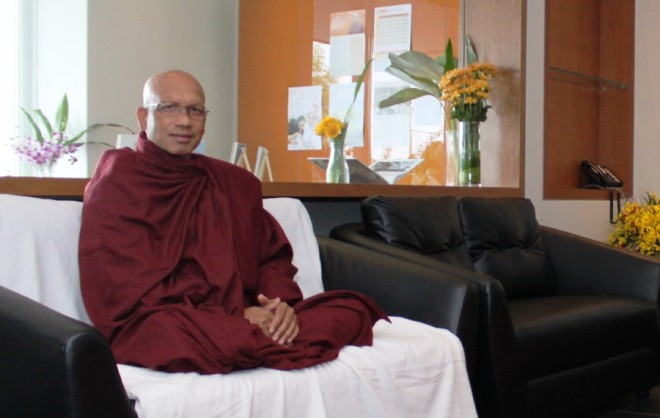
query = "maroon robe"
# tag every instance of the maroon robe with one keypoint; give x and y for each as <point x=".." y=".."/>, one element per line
<point x="171" y="252"/>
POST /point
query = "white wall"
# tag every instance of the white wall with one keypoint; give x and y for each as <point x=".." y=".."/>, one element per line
<point x="130" y="40"/>
<point x="591" y="218"/>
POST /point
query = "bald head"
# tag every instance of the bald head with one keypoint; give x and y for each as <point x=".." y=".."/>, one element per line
<point x="173" y="131"/>
<point x="163" y="81"/>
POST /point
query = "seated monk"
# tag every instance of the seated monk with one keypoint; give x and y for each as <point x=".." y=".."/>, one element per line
<point x="181" y="267"/>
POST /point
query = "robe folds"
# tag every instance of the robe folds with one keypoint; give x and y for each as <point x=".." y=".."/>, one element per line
<point x="173" y="250"/>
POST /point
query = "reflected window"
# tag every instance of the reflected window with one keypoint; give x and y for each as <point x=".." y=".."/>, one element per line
<point x="9" y="82"/>
<point x="409" y="133"/>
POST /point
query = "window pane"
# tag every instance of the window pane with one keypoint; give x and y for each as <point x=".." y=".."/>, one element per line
<point x="8" y="85"/>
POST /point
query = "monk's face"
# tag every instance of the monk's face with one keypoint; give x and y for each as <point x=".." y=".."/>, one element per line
<point x="173" y="116"/>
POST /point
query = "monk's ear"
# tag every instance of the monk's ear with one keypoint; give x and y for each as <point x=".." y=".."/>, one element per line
<point x="142" y="113"/>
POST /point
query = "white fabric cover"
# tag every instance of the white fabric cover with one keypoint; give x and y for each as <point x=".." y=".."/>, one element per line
<point x="294" y="220"/>
<point x="412" y="370"/>
<point x="39" y="249"/>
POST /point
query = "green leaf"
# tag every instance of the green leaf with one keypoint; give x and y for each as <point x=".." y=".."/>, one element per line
<point x="37" y="132"/>
<point x="449" y="62"/>
<point x="417" y="69"/>
<point x="71" y="141"/>
<point x="429" y="86"/>
<point x="402" y="75"/>
<point x="361" y="79"/>
<point x="402" y="96"/>
<point x="62" y="115"/>
<point x="94" y="127"/>
<point x="358" y="84"/>
<point x="116" y="125"/>
<point x="471" y="54"/>
<point x="61" y="122"/>
<point x="44" y="121"/>
<point x="417" y="65"/>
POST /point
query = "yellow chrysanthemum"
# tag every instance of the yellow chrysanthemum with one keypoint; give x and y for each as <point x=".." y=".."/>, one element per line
<point x="332" y="131"/>
<point x="330" y="127"/>
<point x="467" y="89"/>
<point x="638" y="226"/>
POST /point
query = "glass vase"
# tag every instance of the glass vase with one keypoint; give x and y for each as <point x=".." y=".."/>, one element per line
<point x="44" y="170"/>
<point x="451" y="152"/>
<point x="469" y="155"/>
<point x="337" y="170"/>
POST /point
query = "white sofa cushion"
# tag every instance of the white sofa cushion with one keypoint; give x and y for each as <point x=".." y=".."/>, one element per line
<point x="39" y="249"/>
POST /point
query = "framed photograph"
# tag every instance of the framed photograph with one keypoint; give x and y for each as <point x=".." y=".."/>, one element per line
<point x="262" y="164"/>
<point x="237" y="149"/>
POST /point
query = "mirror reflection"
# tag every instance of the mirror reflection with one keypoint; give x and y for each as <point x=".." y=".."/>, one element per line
<point x="287" y="56"/>
<point x="401" y="144"/>
<point x="412" y="142"/>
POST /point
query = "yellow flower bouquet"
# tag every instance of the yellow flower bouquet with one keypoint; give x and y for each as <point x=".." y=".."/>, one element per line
<point x="637" y="227"/>
<point x="330" y="127"/>
<point x="467" y="89"/>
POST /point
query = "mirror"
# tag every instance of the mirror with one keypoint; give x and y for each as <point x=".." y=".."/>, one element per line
<point x="264" y="79"/>
<point x="302" y="26"/>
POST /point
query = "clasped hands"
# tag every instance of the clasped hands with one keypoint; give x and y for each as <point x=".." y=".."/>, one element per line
<point x="276" y="319"/>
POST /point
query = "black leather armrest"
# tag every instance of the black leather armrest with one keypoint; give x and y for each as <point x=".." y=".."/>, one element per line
<point x="585" y="266"/>
<point x="54" y="366"/>
<point x="355" y="233"/>
<point x="404" y="289"/>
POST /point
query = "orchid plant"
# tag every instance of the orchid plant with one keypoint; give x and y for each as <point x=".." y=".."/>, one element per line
<point x="49" y="141"/>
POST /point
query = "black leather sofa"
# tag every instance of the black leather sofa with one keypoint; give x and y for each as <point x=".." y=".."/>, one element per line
<point x="54" y="366"/>
<point x="566" y="324"/>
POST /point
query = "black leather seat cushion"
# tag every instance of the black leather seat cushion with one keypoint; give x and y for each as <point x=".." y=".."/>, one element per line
<point x="565" y="332"/>
<point x="428" y="225"/>
<point x="504" y="241"/>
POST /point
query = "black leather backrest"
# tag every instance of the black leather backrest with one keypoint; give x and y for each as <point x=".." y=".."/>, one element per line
<point x="504" y="241"/>
<point x="429" y="225"/>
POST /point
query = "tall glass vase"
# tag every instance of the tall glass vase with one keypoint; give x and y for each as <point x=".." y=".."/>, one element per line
<point x="337" y="171"/>
<point x="451" y="152"/>
<point x="469" y="164"/>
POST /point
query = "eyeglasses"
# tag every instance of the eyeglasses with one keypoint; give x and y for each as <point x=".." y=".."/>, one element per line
<point x="172" y="110"/>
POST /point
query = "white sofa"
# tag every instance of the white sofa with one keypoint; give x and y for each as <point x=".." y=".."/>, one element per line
<point x="56" y="364"/>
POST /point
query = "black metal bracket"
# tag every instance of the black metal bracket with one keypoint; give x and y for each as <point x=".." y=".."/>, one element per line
<point x="619" y="193"/>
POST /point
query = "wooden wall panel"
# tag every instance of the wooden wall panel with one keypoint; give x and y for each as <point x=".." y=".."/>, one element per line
<point x="275" y="52"/>
<point x="588" y="93"/>
<point x="497" y="41"/>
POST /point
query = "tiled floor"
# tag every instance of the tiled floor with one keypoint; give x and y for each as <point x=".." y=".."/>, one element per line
<point x="632" y="408"/>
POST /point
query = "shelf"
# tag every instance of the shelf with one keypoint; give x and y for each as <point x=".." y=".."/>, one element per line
<point x="53" y="188"/>
<point x="61" y="188"/>
<point x="573" y="77"/>
<point x="577" y="194"/>
<point x="587" y="116"/>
